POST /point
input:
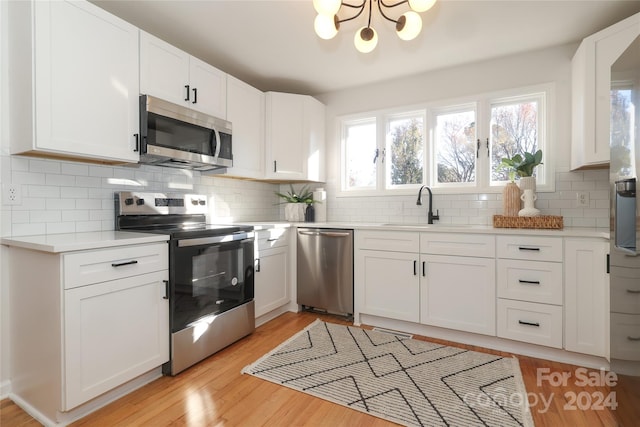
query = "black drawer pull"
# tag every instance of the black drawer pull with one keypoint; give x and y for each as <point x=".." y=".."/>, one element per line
<point x="536" y="324"/>
<point x="195" y="96"/>
<point x="529" y="282"/>
<point x="120" y="264"/>
<point x="187" y="88"/>
<point x="633" y="338"/>
<point x="524" y="248"/>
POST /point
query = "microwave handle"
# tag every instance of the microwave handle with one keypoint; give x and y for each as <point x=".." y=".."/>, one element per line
<point x="218" y="143"/>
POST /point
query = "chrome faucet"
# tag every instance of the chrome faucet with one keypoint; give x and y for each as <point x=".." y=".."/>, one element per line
<point x="430" y="215"/>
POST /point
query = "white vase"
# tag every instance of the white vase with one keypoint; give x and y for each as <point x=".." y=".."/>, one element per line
<point x="294" y="212"/>
<point x="527" y="183"/>
<point x="529" y="198"/>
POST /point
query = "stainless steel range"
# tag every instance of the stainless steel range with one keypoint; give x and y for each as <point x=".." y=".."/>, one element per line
<point x="211" y="272"/>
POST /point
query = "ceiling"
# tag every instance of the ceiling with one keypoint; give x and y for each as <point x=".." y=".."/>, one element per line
<point x="272" y="45"/>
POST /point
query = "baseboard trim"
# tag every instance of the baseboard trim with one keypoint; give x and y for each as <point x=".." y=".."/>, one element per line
<point x="489" y="342"/>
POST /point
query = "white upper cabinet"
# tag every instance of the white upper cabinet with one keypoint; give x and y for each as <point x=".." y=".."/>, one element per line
<point x="591" y="91"/>
<point x="245" y="111"/>
<point x="77" y="96"/>
<point x="294" y="137"/>
<point x="171" y="74"/>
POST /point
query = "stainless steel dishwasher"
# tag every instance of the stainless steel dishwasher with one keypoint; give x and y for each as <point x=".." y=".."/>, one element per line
<point x="325" y="270"/>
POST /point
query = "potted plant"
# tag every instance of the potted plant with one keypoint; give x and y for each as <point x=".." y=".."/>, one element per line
<point x="296" y="202"/>
<point x="523" y="166"/>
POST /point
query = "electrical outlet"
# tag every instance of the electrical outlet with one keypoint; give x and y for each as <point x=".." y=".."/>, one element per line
<point x="582" y="199"/>
<point x="11" y="194"/>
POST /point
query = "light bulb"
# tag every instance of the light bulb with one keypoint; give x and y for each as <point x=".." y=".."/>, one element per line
<point x="365" y="39"/>
<point x="327" y="7"/>
<point x="325" y="26"/>
<point x="419" y="5"/>
<point x="409" y="26"/>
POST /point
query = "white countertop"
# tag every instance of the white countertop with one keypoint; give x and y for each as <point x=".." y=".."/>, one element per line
<point x="68" y="242"/>
<point x="602" y="233"/>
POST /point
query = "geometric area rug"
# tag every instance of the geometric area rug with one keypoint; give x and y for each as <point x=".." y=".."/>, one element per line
<point x="406" y="381"/>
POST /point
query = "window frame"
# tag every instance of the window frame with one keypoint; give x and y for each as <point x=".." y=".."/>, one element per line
<point x="483" y="104"/>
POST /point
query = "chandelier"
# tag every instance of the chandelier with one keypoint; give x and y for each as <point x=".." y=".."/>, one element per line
<point x="408" y="25"/>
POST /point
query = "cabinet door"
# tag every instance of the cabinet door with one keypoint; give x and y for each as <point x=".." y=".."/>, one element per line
<point x="271" y="283"/>
<point x="586" y="308"/>
<point x="113" y="332"/>
<point x="387" y="284"/>
<point x="286" y="151"/>
<point x="86" y="82"/>
<point x="315" y="133"/>
<point x="245" y="110"/>
<point x="164" y="69"/>
<point x="208" y="89"/>
<point x="458" y="293"/>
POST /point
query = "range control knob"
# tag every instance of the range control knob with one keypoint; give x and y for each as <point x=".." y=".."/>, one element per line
<point x="202" y="202"/>
<point x="128" y="201"/>
<point x="194" y="202"/>
<point x="140" y="202"/>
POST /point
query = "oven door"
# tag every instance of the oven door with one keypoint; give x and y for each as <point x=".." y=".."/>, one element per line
<point x="209" y="275"/>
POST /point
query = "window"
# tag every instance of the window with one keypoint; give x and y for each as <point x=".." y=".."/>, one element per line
<point x="360" y="150"/>
<point x="622" y="127"/>
<point x="515" y="129"/>
<point x="405" y="147"/>
<point x="452" y="147"/>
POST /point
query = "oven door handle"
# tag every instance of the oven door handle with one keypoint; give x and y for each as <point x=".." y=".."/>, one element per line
<point x="216" y="239"/>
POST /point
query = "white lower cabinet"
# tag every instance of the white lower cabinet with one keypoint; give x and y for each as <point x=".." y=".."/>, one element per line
<point x="272" y="270"/>
<point x="114" y="331"/>
<point x="530" y="291"/>
<point x="391" y="284"/>
<point x="85" y="322"/>
<point x="458" y="293"/>
<point x="386" y="276"/>
<point x="586" y="295"/>
<point x="530" y="322"/>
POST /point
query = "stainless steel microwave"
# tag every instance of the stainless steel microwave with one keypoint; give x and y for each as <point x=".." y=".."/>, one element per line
<point x="176" y="136"/>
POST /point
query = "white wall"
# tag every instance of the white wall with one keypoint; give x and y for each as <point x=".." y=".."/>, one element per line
<point x="538" y="67"/>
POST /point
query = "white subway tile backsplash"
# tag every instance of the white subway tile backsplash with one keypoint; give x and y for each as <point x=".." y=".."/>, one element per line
<point x="44" y="166"/>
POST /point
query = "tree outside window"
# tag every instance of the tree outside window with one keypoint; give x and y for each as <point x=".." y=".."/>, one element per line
<point x="456" y="147"/>
<point x="514" y="130"/>
<point x="406" y="146"/>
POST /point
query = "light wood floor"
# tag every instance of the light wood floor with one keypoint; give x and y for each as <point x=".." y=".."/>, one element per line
<point x="214" y="393"/>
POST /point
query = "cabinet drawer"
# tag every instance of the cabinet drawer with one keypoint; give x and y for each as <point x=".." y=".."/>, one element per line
<point x="530" y="248"/>
<point x="476" y="245"/>
<point x="394" y="241"/>
<point x="532" y="281"/>
<point x="625" y="290"/>
<point x="84" y="268"/>
<point x="271" y="238"/>
<point x="625" y="336"/>
<point x="530" y="322"/>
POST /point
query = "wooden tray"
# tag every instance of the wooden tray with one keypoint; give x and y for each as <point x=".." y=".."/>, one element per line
<point x="540" y="222"/>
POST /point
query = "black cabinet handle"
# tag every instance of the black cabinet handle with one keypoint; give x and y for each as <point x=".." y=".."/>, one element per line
<point x="524" y="248"/>
<point x="120" y="264"/>
<point x="195" y="95"/>
<point x="536" y="324"/>
<point x="166" y="289"/>
<point x="415" y="265"/>
<point x="633" y="338"/>
<point x="258" y="265"/>
<point x="188" y="90"/>
<point x="137" y="136"/>
<point x="529" y="282"/>
<point x="633" y="291"/>
<point x="424" y="266"/>
<point x="275" y="166"/>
